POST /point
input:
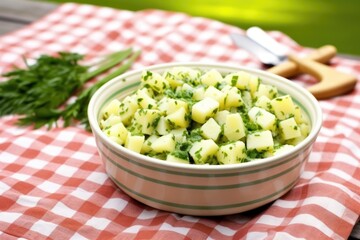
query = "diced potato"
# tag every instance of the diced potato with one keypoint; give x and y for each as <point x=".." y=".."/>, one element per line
<point x="247" y="99"/>
<point x="127" y="109"/>
<point x="299" y="115"/>
<point x="234" y="152"/>
<point x="144" y="99"/>
<point x="118" y="132"/>
<point x="198" y="93"/>
<point x="263" y="102"/>
<point x="289" y="129"/>
<point x="164" y="143"/>
<point x="190" y="74"/>
<point x="170" y="105"/>
<point x="179" y="134"/>
<point x="203" y="151"/>
<point x="146" y="147"/>
<point x="239" y="79"/>
<point x="113" y="108"/>
<point x="305" y="130"/>
<point x="283" y="107"/>
<point x="211" y="78"/>
<point x="220" y="117"/>
<point x="155" y="81"/>
<point x="283" y="149"/>
<point x="179" y="118"/>
<point x="234" y="128"/>
<point x="134" y="143"/>
<point x="112" y="120"/>
<point x="260" y="141"/>
<point x="210" y="130"/>
<point x="204" y="109"/>
<point x="215" y="94"/>
<point x="232" y="97"/>
<point x="145" y="120"/>
<point x="172" y="80"/>
<point x="163" y="126"/>
<point x="266" y="90"/>
<point x="263" y="118"/>
<point x="172" y="158"/>
<point x="254" y="83"/>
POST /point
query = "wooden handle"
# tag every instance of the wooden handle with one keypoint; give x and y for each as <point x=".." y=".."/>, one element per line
<point x="332" y="82"/>
<point x="289" y="68"/>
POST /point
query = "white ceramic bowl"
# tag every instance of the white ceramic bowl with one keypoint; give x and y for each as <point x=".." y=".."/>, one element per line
<point x="202" y="189"/>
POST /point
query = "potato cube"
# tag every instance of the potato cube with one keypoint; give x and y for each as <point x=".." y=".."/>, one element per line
<point x="239" y="79"/>
<point x="254" y="83"/>
<point x="231" y="153"/>
<point x="172" y="158"/>
<point x="186" y="73"/>
<point x="163" y="126"/>
<point x="155" y="81"/>
<point x="113" y="108"/>
<point x="264" y="103"/>
<point x="260" y="141"/>
<point x="128" y="107"/>
<point x="146" y="147"/>
<point x="145" y="120"/>
<point x="232" y="97"/>
<point x="263" y="118"/>
<point x="204" y="109"/>
<point x="210" y="129"/>
<point x="170" y="105"/>
<point x="215" y="94"/>
<point x="234" y="128"/>
<point x="283" y="107"/>
<point x="247" y="99"/>
<point x="134" y="143"/>
<point x="118" y="132"/>
<point x="289" y="129"/>
<point x="220" y="117"/>
<point x="144" y="99"/>
<point x="179" y="134"/>
<point x="203" y="151"/>
<point x="172" y="80"/>
<point x="179" y="118"/>
<point x="299" y="116"/>
<point x="211" y="78"/>
<point x="283" y="149"/>
<point x="198" y="93"/>
<point x="110" y="121"/>
<point x="164" y="143"/>
<point x="266" y="90"/>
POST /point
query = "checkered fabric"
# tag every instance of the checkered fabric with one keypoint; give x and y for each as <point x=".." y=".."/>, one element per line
<point x="53" y="184"/>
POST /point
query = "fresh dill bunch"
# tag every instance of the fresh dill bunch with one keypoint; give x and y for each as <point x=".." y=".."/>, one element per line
<point x="39" y="92"/>
<point x="43" y="86"/>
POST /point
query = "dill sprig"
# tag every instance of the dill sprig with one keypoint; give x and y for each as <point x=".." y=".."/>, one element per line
<point x="39" y="92"/>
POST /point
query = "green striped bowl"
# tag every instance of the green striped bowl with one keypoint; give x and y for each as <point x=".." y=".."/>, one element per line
<point x="202" y="189"/>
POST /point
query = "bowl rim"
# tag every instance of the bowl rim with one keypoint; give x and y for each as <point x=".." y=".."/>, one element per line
<point x="315" y="125"/>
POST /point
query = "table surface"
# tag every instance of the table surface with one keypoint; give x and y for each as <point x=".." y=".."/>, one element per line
<point x="15" y="14"/>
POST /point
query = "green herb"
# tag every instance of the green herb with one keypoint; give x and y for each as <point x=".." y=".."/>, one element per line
<point x="39" y="92"/>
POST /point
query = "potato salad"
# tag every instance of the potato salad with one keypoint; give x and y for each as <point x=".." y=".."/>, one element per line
<point x="190" y="116"/>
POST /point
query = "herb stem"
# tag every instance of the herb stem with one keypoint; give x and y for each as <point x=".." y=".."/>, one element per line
<point x="108" y="62"/>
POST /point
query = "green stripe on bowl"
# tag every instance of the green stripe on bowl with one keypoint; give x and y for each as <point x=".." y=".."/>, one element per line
<point x="263" y="200"/>
<point x="188" y="186"/>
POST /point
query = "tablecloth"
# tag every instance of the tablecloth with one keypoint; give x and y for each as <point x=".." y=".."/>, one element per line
<point x="53" y="184"/>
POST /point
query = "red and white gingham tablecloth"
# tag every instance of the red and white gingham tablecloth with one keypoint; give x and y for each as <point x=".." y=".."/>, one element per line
<point x="53" y="184"/>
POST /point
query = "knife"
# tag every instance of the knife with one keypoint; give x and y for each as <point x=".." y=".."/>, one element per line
<point x="273" y="55"/>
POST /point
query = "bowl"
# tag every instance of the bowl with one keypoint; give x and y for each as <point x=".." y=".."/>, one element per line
<point x="202" y="190"/>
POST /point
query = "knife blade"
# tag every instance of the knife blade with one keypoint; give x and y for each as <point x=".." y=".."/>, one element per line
<point x="264" y="55"/>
